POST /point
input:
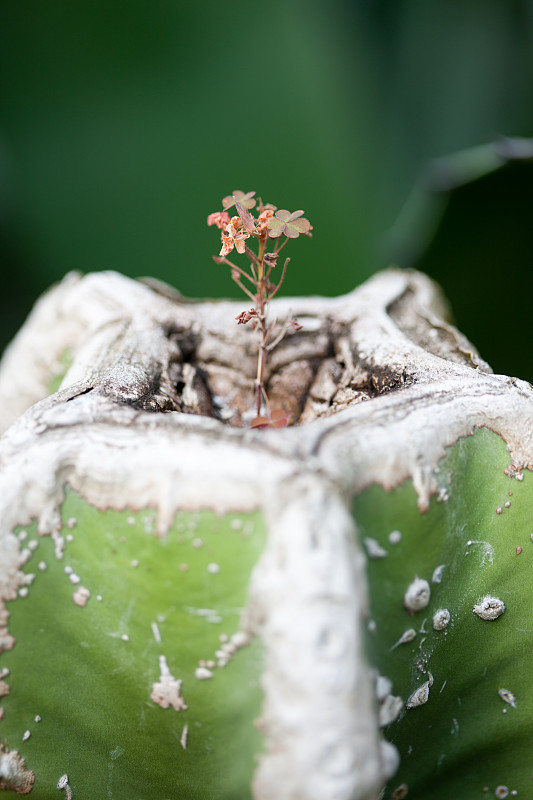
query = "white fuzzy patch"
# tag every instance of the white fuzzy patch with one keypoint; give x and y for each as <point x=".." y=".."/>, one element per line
<point x="489" y="608"/>
<point x="167" y="691"/>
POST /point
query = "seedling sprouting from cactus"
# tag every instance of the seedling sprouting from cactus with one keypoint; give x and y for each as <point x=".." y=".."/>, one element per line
<point x="256" y="282"/>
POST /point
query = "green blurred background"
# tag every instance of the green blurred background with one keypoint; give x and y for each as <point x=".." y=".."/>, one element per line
<point x="124" y="122"/>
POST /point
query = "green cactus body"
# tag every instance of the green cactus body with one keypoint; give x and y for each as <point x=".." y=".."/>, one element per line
<point x="465" y="725"/>
<point x="339" y="676"/>
<point x="94" y="678"/>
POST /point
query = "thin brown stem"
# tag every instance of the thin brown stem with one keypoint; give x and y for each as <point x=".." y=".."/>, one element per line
<point x="224" y="260"/>
<point x="262" y="303"/>
<point x="271" y="328"/>
<point x="261" y="357"/>
<point x="265" y="398"/>
<point x="275" y="291"/>
<point x="242" y="272"/>
<point x="281" y="334"/>
<point x="243" y="288"/>
<point x="278" y="248"/>
<point x="251" y="255"/>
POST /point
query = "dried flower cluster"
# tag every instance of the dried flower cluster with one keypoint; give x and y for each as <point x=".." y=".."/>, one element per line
<point x="256" y="283"/>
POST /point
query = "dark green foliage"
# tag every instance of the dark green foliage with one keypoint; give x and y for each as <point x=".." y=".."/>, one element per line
<point x="120" y="123"/>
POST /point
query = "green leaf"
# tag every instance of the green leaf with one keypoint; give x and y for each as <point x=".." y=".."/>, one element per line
<point x="286" y="223"/>
<point x="245" y="199"/>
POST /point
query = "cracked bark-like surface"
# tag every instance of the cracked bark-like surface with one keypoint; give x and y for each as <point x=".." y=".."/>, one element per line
<point x="154" y="411"/>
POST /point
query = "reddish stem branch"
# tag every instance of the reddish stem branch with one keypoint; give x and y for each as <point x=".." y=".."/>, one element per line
<point x="271" y="295"/>
<point x="243" y="288"/>
<point x="237" y="269"/>
<point x="278" y="248"/>
<point x="262" y="302"/>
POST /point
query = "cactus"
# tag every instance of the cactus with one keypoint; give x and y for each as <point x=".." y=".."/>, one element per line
<point x="173" y="671"/>
<point x="464" y="723"/>
<point x="192" y="609"/>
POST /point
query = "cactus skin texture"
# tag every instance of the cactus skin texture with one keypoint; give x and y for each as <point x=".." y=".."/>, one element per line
<point x="412" y="450"/>
<point x="87" y="671"/>
<point x="473" y="736"/>
<point x="465" y="723"/>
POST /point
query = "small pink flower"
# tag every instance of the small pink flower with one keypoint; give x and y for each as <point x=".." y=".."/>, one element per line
<point x="233" y="237"/>
<point x="263" y="218"/>
<point x="218" y="218"/>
